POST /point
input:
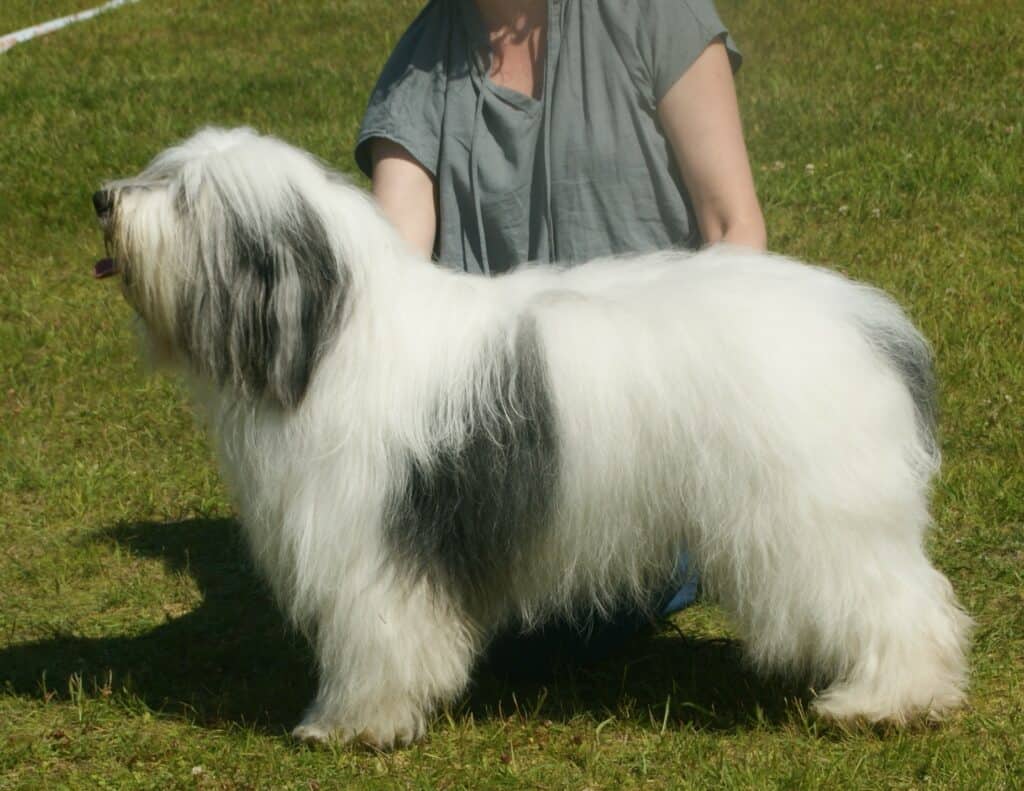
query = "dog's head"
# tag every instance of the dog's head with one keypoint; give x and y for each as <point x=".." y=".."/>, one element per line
<point x="225" y="252"/>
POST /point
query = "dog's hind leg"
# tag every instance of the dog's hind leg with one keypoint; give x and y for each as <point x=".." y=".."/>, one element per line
<point x="830" y="580"/>
<point x="387" y="657"/>
<point x="904" y="654"/>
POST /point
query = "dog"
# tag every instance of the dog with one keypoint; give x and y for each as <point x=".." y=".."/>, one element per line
<point x="420" y="457"/>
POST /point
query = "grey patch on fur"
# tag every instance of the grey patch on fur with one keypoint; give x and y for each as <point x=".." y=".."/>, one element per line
<point x="910" y="355"/>
<point x="266" y="302"/>
<point x="471" y="516"/>
<point x="181" y="201"/>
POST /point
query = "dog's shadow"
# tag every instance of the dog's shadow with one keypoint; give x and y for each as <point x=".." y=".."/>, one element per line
<point x="232" y="659"/>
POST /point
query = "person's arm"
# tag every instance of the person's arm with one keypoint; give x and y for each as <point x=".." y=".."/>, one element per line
<point x="701" y="119"/>
<point x="405" y="191"/>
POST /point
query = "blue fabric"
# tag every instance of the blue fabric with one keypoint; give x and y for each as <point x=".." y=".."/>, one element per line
<point x="686" y="594"/>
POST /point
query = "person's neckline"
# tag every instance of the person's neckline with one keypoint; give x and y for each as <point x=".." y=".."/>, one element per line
<point x="517" y="99"/>
<point x="480" y="38"/>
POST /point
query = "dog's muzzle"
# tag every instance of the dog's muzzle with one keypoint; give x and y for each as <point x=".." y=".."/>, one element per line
<point x="103" y="202"/>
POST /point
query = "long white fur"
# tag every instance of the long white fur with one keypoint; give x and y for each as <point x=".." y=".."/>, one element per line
<point x="726" y="402"/>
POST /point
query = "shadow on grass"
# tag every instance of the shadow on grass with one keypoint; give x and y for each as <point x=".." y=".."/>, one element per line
<point x="232" y="660"/>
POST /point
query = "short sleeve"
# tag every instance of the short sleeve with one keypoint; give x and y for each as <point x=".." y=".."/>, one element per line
<point x="407" y="104"/>
<point x="673" y="34"/>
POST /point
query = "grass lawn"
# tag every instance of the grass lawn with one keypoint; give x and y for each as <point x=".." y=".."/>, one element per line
<point x="136" y="648"/>
<point x="18" y="14"/>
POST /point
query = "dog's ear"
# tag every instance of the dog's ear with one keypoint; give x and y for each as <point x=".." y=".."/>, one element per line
<point x="267" y="297"/>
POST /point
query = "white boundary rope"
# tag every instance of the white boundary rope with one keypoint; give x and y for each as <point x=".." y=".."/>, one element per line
<point x="20" y="36"/>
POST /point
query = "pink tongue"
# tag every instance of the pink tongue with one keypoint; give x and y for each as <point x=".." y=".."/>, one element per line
<point x="105" y="267"/>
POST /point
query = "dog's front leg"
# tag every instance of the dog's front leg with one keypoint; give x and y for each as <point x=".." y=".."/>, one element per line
<point x="388" y="656"/>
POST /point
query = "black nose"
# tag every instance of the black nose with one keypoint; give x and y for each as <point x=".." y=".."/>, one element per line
<point x="103" y="200"/>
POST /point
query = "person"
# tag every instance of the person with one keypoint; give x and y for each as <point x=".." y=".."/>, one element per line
<point x="505" y="131"/>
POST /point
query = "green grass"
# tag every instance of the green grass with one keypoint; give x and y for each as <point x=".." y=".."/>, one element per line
<point x="18" y="14"/>
<point x="137" y="650"/>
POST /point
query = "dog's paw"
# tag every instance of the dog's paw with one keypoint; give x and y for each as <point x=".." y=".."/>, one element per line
<point x="380" y="731"/>
<point x="312" y="733"/>
<point x="388" y="737"/>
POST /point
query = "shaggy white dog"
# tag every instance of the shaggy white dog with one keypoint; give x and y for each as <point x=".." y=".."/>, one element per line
<point x="420" y="456"/>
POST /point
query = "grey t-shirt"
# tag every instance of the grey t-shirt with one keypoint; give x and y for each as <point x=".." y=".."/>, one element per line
<point x="584" y="171"/>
